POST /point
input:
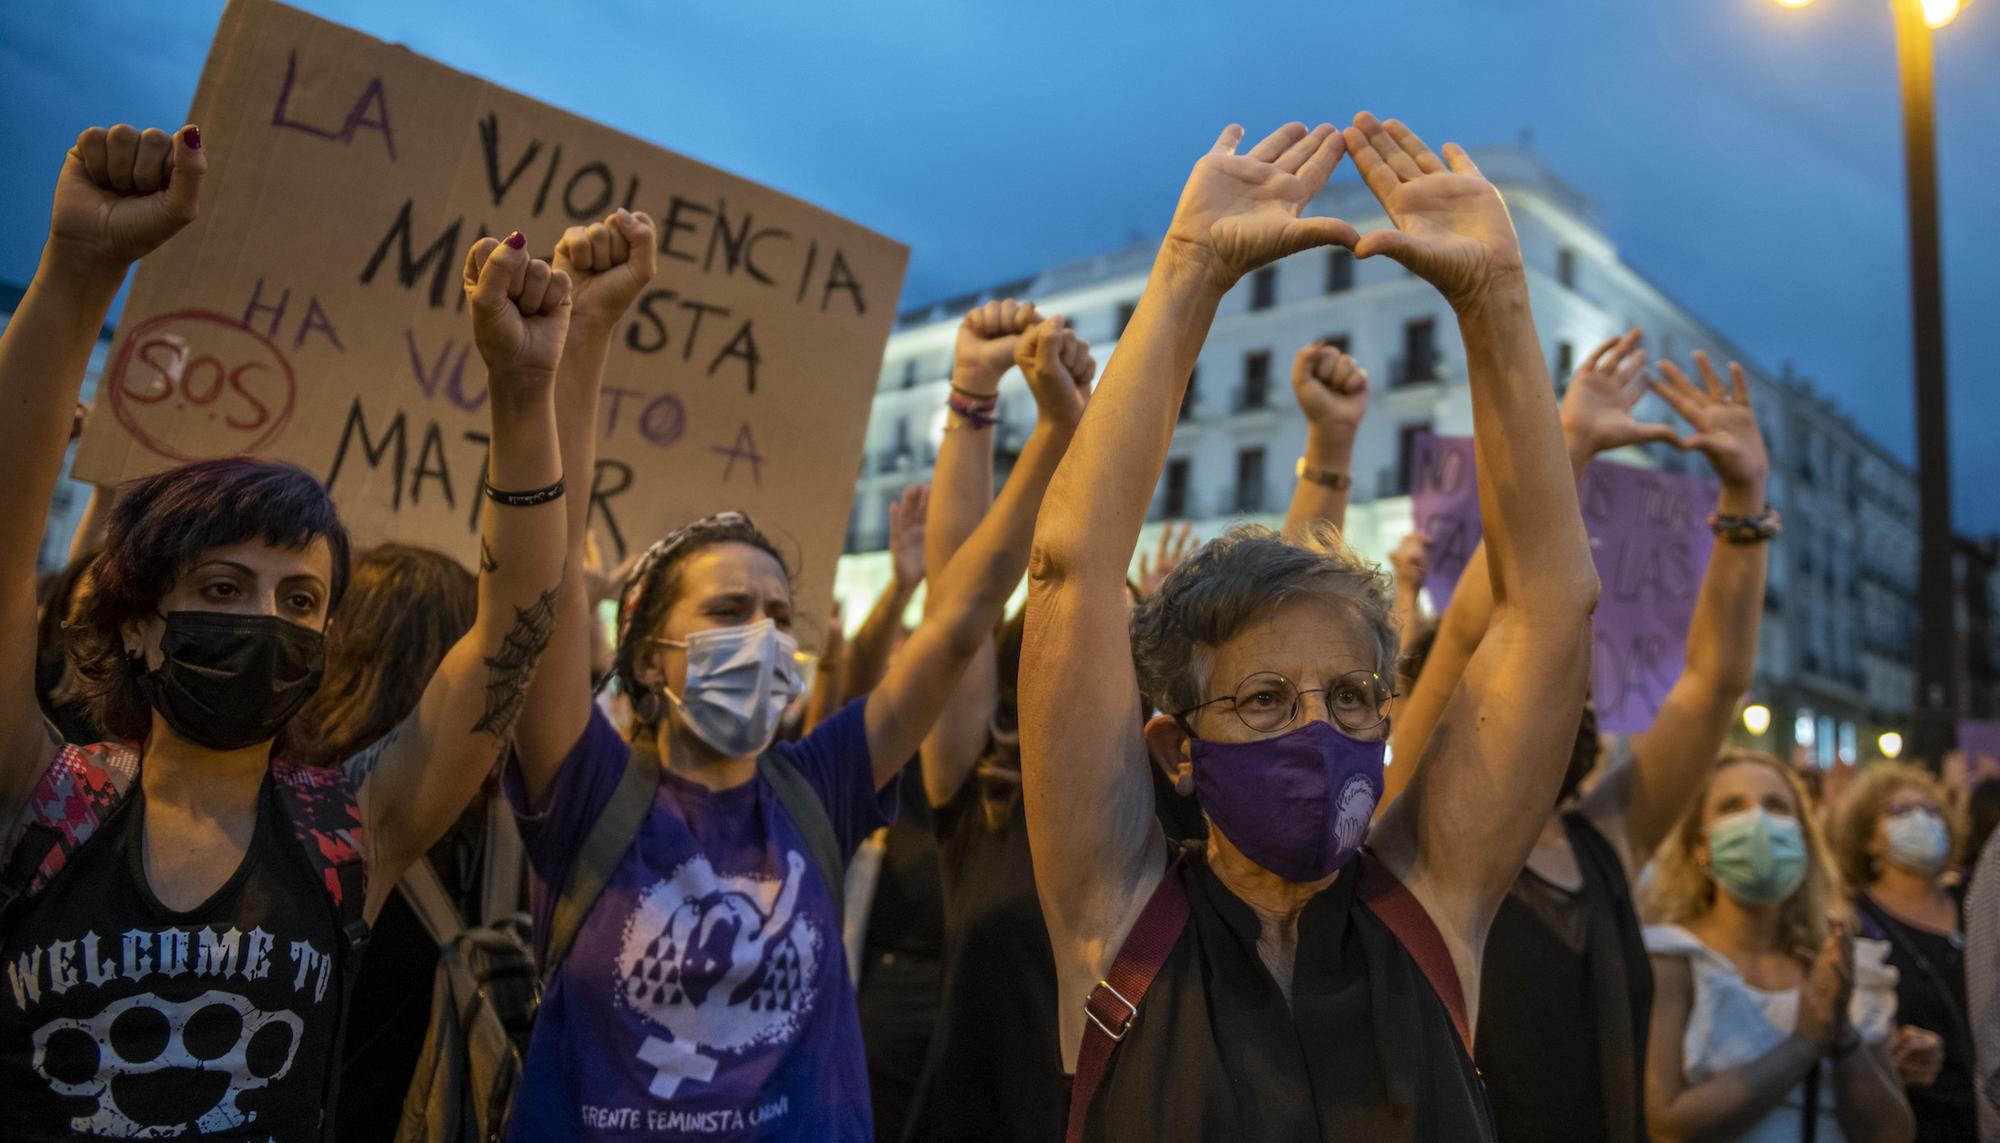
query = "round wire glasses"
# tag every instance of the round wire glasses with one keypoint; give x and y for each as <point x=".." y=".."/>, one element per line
<point x="1267" y="701"/>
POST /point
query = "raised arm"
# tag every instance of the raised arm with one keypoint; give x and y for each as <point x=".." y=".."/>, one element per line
<point x="1644" y="798"/>
<point x="968" y="596"/>
<point x="1459" y="834"/>
<point x="1098" y="847"/>
<point x="121" y="194"/>
<point x="415" y="781"/>
<point x="608" y="263"/>
<point x="1596" y="417"/>
<point x="964" y="475"/>
<point x="1333" y="394"/>
<point x="1411" y="562"/>
<point x="962" y="490"/>
<point x="875" y="640"/>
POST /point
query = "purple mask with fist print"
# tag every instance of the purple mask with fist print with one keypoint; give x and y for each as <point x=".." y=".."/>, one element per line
<point x="1298" y="804"/>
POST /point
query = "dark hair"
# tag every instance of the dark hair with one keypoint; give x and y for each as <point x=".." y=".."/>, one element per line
<point x="406" y="607"/>
<point x="160" y="527"/>
<point x="655" y="585"/>
<point x="1227" y="584"/>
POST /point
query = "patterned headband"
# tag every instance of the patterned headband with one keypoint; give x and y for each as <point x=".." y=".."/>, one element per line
<point x="657" y="557"/>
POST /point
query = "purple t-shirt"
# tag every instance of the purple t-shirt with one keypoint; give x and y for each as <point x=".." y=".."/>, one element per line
<point x="707" y="996"/>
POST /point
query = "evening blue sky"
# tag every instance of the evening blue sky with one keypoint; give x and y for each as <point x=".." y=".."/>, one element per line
<point x="1745" y="157"/>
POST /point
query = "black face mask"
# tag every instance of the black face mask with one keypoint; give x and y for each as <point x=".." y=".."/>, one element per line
<point x="1582" y="755"/>
<point x="229" y="681"/>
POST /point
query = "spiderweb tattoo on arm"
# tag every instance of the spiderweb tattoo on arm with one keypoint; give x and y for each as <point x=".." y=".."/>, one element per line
<point x="510" y="669"/>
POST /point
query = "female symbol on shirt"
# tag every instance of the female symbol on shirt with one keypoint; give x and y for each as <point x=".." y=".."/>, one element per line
<point x="721" y="962"/>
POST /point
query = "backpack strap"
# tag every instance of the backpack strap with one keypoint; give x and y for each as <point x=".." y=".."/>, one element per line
<point x="1114" y="1003"/>
<point x="425" y="894"/>
<point x="802" y="802"/>
<point x="1395" y="906"/>
<point x="325" y="817"/>
<point x="614" y="831"/>
<point x="74" y="796"/>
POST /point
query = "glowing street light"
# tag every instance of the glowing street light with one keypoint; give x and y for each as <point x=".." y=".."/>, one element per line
<point x="1938" y="698"/>
<point x="1757" y="716"/>
<point x="1891" y="744"/>
<point x="1937" y="13"/>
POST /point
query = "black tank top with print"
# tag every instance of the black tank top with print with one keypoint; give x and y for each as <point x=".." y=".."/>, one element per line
<point x="121" y="1018"/>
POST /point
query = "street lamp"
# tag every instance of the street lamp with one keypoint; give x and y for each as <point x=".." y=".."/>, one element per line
<point x="1932" y="729"/>
<point x="1756" y="719"/>
<point x="1891" y="744"/>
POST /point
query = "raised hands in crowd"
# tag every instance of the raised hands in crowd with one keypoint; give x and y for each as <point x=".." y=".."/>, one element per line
<point x="688" y="859"/>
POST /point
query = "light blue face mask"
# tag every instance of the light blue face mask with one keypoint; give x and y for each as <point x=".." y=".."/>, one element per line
<point x="1918" y="841"/>
<point x="1756" y="857"/>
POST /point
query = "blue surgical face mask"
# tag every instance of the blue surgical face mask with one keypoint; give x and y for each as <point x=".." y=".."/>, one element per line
<point x="1756" y="857"/>
<point x="1918" y="841"/>
<point x="739" y="681"/>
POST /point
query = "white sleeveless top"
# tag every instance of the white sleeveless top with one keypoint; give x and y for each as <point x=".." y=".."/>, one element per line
<point x="1733" y="1023"/>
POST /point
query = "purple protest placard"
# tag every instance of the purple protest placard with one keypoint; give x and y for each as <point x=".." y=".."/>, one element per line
<point x="1650" y="540"/>
<point x="1444" y="499"/>
<point x="1979" y="737"/>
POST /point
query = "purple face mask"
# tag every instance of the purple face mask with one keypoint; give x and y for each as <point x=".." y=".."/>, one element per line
<point x="1298" y="804"/>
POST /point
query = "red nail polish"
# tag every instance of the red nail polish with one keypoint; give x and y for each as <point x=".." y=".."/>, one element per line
<point x="517" y="240"/>
<point x="192" y="137"/>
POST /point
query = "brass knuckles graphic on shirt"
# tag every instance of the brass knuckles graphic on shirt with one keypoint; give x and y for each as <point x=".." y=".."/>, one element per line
<point x="143" y="1036"/>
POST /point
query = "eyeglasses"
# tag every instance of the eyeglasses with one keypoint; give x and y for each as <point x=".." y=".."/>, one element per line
<point x="1267" y="702"/>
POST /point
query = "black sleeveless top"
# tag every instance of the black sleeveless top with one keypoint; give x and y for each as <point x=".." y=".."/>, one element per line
<point x="1365" y="1051"/>
<point x="1565" y="998"/>
<point x="123" y="1018"/>
<point x="995" y="1067"/>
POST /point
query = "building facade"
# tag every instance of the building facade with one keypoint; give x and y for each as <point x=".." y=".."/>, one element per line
<point x="1834" y="660"/>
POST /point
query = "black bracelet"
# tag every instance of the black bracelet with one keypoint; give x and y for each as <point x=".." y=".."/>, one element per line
<point x="525" y="499"/>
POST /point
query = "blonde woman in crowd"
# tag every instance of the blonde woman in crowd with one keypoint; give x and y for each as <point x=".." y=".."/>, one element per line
<point x="1761" y="1020"/>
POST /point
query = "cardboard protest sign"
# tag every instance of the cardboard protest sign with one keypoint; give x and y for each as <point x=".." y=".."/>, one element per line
<point x="1444" y="498"/>
<point x="1649" y="538"/>
<point x="315" y="314"/>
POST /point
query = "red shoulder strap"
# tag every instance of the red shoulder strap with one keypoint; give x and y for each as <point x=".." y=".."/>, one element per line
<point x="1114" y="1003"/>
<point x="75" y="794"/>
<point x="1389" y="899"/>
<point x="326" y="820"/>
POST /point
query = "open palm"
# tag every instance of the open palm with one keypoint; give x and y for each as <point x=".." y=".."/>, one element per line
<point x="1452" y="230"/>
<point x="1597" y="409"/>
<point x="1239" y="212"/>
<point x="1724" y="420"/>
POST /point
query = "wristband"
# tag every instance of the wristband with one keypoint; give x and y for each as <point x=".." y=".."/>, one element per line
<point x="973" y="415"/>
<point x="969" y="395"/>
<point x="1747" y="529"/>
<point x="1339" y="481"/>
<point x="525" y="499"/>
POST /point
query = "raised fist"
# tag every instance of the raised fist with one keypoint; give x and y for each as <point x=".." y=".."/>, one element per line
<point x="1412" y="562"/>
<point x="520" y="314"/>
<point x="1058" y="367"/>
<point x="986" y="341"/>
<point x="1332" y="389"/>
<point x="608" y="264"/>
<point x="123" y="192"/>
<point x="1451" y="229"/>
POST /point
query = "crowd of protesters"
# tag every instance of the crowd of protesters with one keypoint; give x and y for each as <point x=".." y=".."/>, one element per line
<point x="307" y="843"/>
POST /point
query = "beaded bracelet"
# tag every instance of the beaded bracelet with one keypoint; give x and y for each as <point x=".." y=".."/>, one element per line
<point x="1747" y="529"/>
<point x="973" y="415"/>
